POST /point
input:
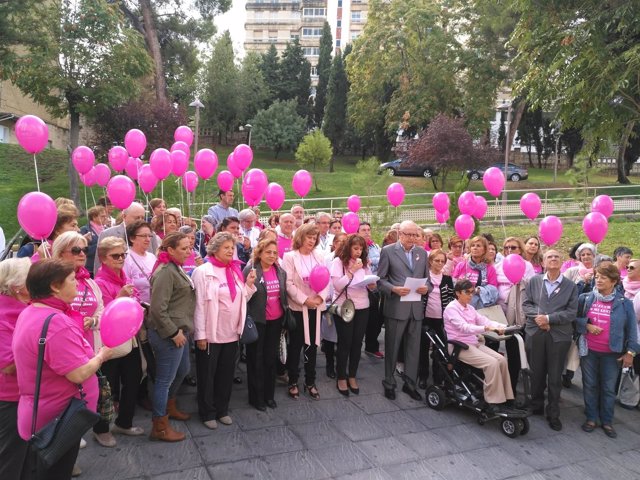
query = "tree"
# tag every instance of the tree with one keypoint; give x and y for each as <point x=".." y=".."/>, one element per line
<point x="253" y="90"/>
<point x="74" y="59"/>
<point x="295" y="78"/>
<point x="315" y="151"/>
<point x="270" y="68"/>
<point x="324" y="72"/>
<point x="222" y="94"/>
<point x="278" y="127"/>
<point x="335" y="121"/>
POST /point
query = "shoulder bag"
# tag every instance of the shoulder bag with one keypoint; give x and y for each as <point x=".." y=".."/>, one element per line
<point x="62" y="433"/>
<point x="249" y="332"/>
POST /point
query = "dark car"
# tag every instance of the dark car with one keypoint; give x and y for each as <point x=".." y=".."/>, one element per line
<point x="513" y="173"/>
<point x="399" y="168"/>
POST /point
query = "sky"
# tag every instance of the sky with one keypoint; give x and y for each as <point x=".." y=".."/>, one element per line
<point x="234" y="21"/>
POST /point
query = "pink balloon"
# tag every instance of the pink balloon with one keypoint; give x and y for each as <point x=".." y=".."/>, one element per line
<point x="301" y="183"/>
<point x="82" y="159"/>
<point x="442" y="217"/>
<point x="353" y="204"/>
<point x="190" y="181"/>
<point x="254" y="185"/>
<point x="250" y="197"/>
<point x="102" y="174"/>
<point x="233" y="167"/>
<point x="319" y="278"/>
<point x="118" y="158"/>
<point x="395" y="194"/>
<point x="274" y="196"/>
<point x="467" y="202"/>
<point x="465" y="226"/>
<point x="243" y="156"/>
<point x="225" y="180"/>
<point x="602" y="204"/>
<point x="160" y="161"/>
<point x="513" y="267"/>
<point x="183" y="134"/>
<point x="121" y="191"/>
<point x="37" y="215"/>
<point x="120" y="321"/>
<point x="146" y="179"/>
<point x="530" y="205"/>
<point x="550" y="229"/>
<point x="135" y="142"/>
<point x="179" y="162"/>
<point x="350" y="222"/>
<point x="481" y="207"/>
<point x="441" y="202"/>
<point x="32" y="133"/>
<point x="595" y="226"/>
<point x="133" y="168"/>
<point x="493" y="180"/>
<point x="205" y="163"/>
<point x="182" y="146"/>
<point x="88" y="179"/>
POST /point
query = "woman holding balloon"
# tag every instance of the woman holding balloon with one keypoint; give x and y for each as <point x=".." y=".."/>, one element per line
<point x="307" y="288"/>
<point x="479" y="273"/>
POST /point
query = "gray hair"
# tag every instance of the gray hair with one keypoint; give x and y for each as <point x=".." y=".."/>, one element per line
<point x="133" y="206"/>
<point x="186" y="229"/>
<point x="175" y="211"/>
<point x="66" y="241"/>
<point x="218" y="239"/>
<point x="246" y="214"/>
<point x="13" y="274"/>
<point x="319" y="215"/>
<point x="586" y="246"/>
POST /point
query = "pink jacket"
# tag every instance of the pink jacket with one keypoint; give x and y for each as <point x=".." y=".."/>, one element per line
<point x="205" y="319"/>
<point x="10" y="308"/>
<point x="297" y="289"/>
<point x="359" y="295"/>
<point x="464" y="324"/>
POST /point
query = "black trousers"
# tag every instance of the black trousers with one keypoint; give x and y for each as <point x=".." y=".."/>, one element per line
<point x="215" y="369"/>
<point x="296" y="345"/>
<point x="374" y="325"/>
<point x="124" y="375"/>
<point x="262" y="357"/>
<point x="436" y="324"/>
<point x="13" y="449"/>
<point x="350" y="337"/>
<point x="546" y="361"/>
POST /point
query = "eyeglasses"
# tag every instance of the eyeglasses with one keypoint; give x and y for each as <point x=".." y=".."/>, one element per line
<point x="512" y="247"/>
<point x="438" y="260"/>
<point x="144" y="236"/>
<point x="412" y="235"/>
<point x="118" y="256"/>
<point x="469" y="292"/>
<point x="78" y="250"/>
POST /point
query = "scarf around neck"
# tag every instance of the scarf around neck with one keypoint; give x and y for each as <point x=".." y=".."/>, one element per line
<point x="631" y="287"/>
<point x="56" y="303"/>
<point x="229" y="269"/>
<point x="82" y="274"/>
<point x="164" y="259"/>
<point x="481" y="268"/>
<point x="111" y="276"/>
<point x="604" y="298"/>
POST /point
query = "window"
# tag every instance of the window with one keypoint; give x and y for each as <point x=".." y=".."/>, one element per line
<point x="356" y="17"/>
<point x="339" y="3"/>
<point x="314" y="12"/>
<point x="354" y="35"/>
<point x="311" y="32"/>
<point x="314" y="71"/>
<point x="295" y="36"/>
<point x="311" y="51"/>
<point x="339" y="23"/>
<point x="338" y="43"/>
<point x="4" y="134"/>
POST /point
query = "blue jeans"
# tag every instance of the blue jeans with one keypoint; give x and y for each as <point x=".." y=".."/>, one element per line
<point x="599" y="376"/>
<point x="172" y="365"/>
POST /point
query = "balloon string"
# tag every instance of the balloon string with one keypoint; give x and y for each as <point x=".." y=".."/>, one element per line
<point x="204" y="198"/>
<point x="86" y="203"/>
<point x="93" y="197"/>
<point x="504" y="229"/>
<point x="35" y="164"/>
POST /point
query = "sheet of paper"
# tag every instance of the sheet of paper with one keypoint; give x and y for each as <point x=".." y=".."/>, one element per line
<point x="413" y="284"/>
<point x="366" y="280"/>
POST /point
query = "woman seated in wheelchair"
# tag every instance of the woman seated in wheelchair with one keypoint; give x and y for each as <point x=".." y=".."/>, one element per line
<point x="464" y="324"/>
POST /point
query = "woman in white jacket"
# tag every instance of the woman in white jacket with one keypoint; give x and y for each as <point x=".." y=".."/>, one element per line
<point x="221" y="309"/>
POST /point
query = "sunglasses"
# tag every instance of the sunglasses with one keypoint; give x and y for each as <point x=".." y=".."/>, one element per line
<point x="118" y="256"/>
<point x="78" y="250"/>
<point x="512" y="247"/>
<point x="469" y="292"/>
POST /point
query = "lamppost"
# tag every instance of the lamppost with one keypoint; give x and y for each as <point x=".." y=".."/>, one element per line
<point x="198" y="104"/>
<point x="248" y="126"/>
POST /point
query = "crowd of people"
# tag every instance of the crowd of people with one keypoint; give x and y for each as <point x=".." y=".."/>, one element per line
<point x="201" y="281"/>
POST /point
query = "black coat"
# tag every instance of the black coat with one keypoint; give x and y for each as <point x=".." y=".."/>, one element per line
<point x="257" y="306"/>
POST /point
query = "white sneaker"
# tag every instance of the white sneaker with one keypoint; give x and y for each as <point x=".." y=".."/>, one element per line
<point x="132" y="432"/>
<point x="211" y="424"/>
<point x="83" y="443"/>
<point x="76" y="472"/>
<point x="105" y="439"/>
<point x="226" y="420"/>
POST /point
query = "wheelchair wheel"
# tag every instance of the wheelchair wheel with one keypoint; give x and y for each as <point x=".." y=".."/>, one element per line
<point x="524" y="422"/>
<point x="436" y="398"/>
<point x="511" y="428"/>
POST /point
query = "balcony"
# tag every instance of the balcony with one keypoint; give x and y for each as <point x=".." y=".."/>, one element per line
<point x="273" y="5"/>
<point x="269" y="21"/>
<point x="314" y="20"/>
<point x="314" y="3"/>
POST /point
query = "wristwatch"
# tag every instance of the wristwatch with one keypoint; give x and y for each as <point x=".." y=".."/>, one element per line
<point x="632" y="353"/>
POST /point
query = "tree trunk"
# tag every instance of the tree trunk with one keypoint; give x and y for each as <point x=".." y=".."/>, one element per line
<point x="515" y="123"/>
<point x="153" y="46"/>
<point x="331" y="170"/>
<point x="622" y="177"/>
<point x="74" y="137"/>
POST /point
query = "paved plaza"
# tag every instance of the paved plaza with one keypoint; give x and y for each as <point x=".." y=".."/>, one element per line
<point x="367" y="436"/>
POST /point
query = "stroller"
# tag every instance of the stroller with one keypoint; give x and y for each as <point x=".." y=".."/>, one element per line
<point x="463" y="386"/>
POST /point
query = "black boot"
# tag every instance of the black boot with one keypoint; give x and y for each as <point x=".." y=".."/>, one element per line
<point x="329" y="353"/>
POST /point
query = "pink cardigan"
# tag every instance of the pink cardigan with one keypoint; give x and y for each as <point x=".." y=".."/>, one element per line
<point x="359" y="295"/>
<point x="464" y="324"/>
<point x="206" y="280"/>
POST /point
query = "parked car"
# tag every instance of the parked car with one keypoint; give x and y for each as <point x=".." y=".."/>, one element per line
<point x="399" y="168"/>
<point x="513" y="173"/>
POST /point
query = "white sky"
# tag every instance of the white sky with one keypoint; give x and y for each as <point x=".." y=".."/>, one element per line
<point x="234" y="21"/>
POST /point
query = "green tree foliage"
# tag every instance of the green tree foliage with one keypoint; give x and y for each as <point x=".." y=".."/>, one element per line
<point x="254" y="91"/>
<point x="335" y="121"/>
<point x="314" y="152"/>
<point x="279" y="127"/>
<point x="295" y="78"/>
<point x="324" y="72"/>
<point x="270" y="68"/>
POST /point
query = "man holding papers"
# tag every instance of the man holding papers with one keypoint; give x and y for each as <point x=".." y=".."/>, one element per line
<point x="403" y="319"/>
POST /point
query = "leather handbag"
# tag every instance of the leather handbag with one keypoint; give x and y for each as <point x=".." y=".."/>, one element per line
<point x="289" y="321"/>
<point x="62" y="433"/>
<point x="249" y="332"/>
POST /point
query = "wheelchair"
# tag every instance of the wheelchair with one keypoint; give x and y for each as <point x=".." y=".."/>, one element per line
<point x="463" y="386"/>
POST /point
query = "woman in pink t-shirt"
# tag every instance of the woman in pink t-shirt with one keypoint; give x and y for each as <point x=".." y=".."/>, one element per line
<point x="69" y="360"/>
<point x="266" y="307"/>
<point x="13" y="300"/>
<point x="481" y="274"/>
<point x="348" y="271"/>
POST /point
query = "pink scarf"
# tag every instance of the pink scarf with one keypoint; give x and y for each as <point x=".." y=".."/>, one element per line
<point x="631" y="287"/>
<point x="56" y="303"/>
<point x="229" y="269"/>
<point x="97" y="227"/>
<point x="82" y="274"/>
<point x="164" y="258"/>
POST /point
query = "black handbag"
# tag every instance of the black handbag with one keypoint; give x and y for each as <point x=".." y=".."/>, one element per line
<point x="249" y="332"/>
<point x="289" y="321"/>
<point x="62" y="433"/>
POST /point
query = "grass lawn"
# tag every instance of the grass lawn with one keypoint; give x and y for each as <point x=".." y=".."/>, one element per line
<point x="18" y="178"/>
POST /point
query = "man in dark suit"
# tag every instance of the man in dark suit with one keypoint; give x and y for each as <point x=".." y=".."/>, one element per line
<point x="550" y="305"/>
<point x="403" y="320"/>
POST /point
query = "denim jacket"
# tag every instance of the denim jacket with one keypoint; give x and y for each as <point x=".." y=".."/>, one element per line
<point x="623" y="332"/>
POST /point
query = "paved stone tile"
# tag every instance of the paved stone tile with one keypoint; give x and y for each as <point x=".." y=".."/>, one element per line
<point x="457" y="467"/>
<point x="428" y="444"/>
<point x="361" y="427"/>
<point x="255" y="468"/>
<point x="161" y="457"/>
<point x="471" y="436"/>
<point x="102" y="463"/>
<point x="295" y="413"/>
<point x="194" y="474"/>
<point x="302" y="465"/>
<point x="197" y="428"/>
<point x="271" y="440"/>
<point x="251" y="418"/>
<point x="398" y="422"/>
<point x="630" y="459"/>
<point x="448" y="417"/>
<point x="371" y="474"/>
<point x="373" y="403"/>
<point x="494" y="461"/>
<point x="338" y="409"/>
<point x="550" y="452"/>
<point x="387" y="451"/>
<point x="318" y="434"/>
<point x="417" y="470"/>
<point x="342" y="459"/>
<point x="223" y="447"/>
